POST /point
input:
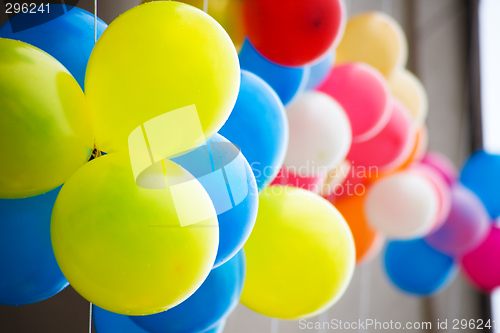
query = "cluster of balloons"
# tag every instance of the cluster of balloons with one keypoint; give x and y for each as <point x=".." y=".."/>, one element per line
<point x="358" y="138"/>
<point x="137" y="162"/>
<point x="308" y="148"/>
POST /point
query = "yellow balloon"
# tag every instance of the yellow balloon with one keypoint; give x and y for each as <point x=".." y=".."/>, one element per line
<point x="300" y="255"/>
<point x="121" y="246"/>
<point x="45" y="128"/>
<point x="376" y="39"/>
<point x="408" y="89"/>
<point x="229" y="13"/>
<point x="155" y="58"/>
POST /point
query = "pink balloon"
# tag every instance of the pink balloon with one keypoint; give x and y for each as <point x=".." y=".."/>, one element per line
<point x="310" y="183"/>
<point x="364" y="94"/>
<point x="390" y="148"/>
<point x="443" y="191"/>
<point x="482" y="265"/>
<point x="465" y="228"/>
<point x="443" y="165"/>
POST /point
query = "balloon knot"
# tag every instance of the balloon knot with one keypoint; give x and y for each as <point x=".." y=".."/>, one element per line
<point x="95" y="154"/>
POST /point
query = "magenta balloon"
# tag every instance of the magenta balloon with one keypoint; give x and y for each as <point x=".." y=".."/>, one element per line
<point x="441" y="164"/>
<point x="391" y="147"/>
<point x="482" y="265"/>
<point x="465" y="228"/>
<point x="364" y="94"/>
<point x="443" y="191"/>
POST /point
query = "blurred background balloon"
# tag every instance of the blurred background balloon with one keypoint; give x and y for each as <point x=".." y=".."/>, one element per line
<point x="364" y="95"/>
<point x="207" y="307"/>
<point x="121" y="246"/>
<point x="300" y="256"/>
<point x="465" y="228"/>
<point x="480" y="174"/>
<point x="294" y="32"/>
<point x="409" y="90"/>
<point x="368" y="241"/>
<point x="442" y="190"/>
<point x="229" y="14"/>
<point x="259" y="126"/>
<point x="416" y="268"/>
<point x="236" y="220"/>
<point x="420" y="147"/>
<point x="443" y="165"/>
<point x="391" y="147"/>
<point x="320" y="70"/>
<point x="320" y="134"/>
<point x="46" y="131"/>
<point x="178" y="65"/>
<point x="403" y="205"/>
<point x="69" y="37"/>
<point x="376" y="39"/>
<point x="288" y="82"/>
<point x="29" y="269"/>
<point x="482" y="265"/>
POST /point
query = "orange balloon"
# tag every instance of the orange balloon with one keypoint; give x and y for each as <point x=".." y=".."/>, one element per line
<point x="366" y="240"/>
<point x="421" y="145"/>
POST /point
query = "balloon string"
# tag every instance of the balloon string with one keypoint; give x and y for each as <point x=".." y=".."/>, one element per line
<point x="323" y="317"/>
<point x="364" y="299"/>
<point x="275" y="324"/>
<point x="453" y="303"/>
<point x="95" y="152"/>
<point x="95" y="21"/>
<point x="90" y="318"/>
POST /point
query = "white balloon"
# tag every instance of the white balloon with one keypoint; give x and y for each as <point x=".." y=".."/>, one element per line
<point x="335" y="177"/>
<point x="403" y="205"/>
<point x="320" y="134"/>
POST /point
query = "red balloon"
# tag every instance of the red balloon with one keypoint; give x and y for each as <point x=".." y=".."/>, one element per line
<point x="364" y="94"/>
<point x="288" y="177"/>
<point x="294" y="32"/>
<point x="482" y="265"/>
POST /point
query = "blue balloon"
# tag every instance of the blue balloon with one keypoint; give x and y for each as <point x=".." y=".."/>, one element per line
<point x="109" y="322"/>
<point x="29" y="271"/>
<point x="212" y="302"/>
<point x="228" y="179"/>
<point x="205" y="311"/>
<point x="68" y="37"/>
<point x="416" y="268"/>
<point x="288" y="82"/>
<point x="259" y="126"/>
<point x="481" y="174"/>
<point x="320" y="70"/>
